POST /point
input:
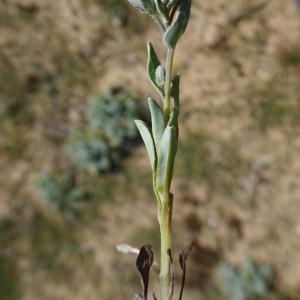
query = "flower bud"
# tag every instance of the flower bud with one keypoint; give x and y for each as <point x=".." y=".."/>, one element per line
<point x="160" y="74"/>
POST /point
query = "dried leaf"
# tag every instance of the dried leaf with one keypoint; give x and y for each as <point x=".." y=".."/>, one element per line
<point x="183" y="256"/>
<point x="143" y="263"/>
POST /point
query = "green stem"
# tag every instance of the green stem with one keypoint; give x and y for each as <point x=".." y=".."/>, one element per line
<point x="165" y="221"/>
<point x="165" y="211"/>
<point x="169" y="67"/>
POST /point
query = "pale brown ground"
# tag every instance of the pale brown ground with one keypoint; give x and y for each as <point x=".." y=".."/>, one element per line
<point x="217" y="61"/>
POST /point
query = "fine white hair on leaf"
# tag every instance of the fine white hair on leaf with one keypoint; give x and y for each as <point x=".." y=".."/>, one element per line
<point x="138" y="4"/>
<point x="144" y="6"/>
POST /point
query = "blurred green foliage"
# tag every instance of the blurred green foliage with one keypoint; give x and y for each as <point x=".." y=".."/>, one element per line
<point x="13" y="96"/>
<point x="250" y="281"/>
<point x="48" y="242"/>
<point x="109" y="134"/>
<point x="10" y="281"/>
<point x="290" y="57"/>
<point x="14" y="110"/>
<point x="90" y="152"/>
<point x="112" y="113"/>
<point x="63" y="193"/>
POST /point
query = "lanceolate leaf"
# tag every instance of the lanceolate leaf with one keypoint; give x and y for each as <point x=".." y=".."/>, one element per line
<point x="153" y="64"/>
<point x="183" y="256"/>
<point x="148" y="141"/>
<point x="157" y="120"/>
<point x="166" y="159"/>
<point x="178" y="27"/>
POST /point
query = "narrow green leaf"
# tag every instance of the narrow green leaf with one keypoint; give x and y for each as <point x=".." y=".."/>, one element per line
<point x="153" y="64"/>
<point x="178" y="27"/>
<point x="148" y="141"/>
<point x="162" y="9"/>
<point x="173" y="121"/>
<point x="157" y="120"/>
<point x="150" y="7"/>
<point x="166" y="159"/>
<point x="173" y="3"/>
<point x="175" y="91"/>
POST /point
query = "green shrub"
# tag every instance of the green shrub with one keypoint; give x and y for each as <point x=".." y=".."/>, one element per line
<point x="112" y="114"/>
<point x="63" y="193"/>
<point x="250" y="281"/>
<point x="109" y="134"/>
<point x="89" y="152"/>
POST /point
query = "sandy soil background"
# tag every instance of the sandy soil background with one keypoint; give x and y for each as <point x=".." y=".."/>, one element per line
<point x="237" y="187"/>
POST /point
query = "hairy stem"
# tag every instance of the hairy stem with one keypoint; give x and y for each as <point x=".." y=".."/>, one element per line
<point x="165" y="221"/>
<point x="165" y="211"/>
<point x="169" y="68"/>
